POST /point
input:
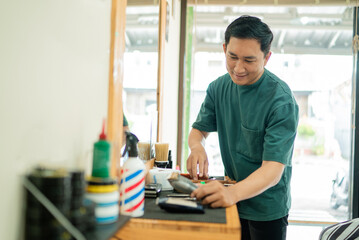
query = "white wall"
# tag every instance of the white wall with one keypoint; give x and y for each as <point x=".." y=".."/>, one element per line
<point x="171" y="64"/>
<point x="53" y="90"/>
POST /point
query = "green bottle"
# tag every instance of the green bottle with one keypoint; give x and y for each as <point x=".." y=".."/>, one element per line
<point x="101" y="156"/>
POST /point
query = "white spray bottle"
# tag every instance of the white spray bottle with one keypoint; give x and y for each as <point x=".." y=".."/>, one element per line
<point x="132" y="186"/>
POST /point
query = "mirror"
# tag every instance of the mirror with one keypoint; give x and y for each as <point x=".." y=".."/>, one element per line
<point x="141" y="70"/>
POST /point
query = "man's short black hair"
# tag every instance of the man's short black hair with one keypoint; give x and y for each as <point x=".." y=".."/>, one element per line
<point x="249" y="27"/>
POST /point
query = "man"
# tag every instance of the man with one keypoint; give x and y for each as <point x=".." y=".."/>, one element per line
<point x="125" y="128"/>
<point x="256" y="117"/>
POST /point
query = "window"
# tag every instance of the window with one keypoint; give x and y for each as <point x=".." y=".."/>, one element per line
<point x="312" y="53"/>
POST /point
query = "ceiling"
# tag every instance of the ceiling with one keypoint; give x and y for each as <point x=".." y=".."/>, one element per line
<point x="324" y="30"/>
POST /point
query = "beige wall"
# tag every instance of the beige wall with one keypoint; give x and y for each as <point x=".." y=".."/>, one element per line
<point x="53" y="90"/>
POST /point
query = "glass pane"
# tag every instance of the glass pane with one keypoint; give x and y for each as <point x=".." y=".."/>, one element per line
<point x="140" y="70"/>
<point x="322" y="146"/>
<point x="316" y="61"/>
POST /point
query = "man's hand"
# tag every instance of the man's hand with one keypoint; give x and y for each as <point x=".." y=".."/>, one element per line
<point x="215" y="194"/>
<point x="198" y="157"/>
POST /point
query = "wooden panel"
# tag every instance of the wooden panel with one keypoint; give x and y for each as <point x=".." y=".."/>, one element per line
<point x="180" y="83"/>
<point x="256" y="2"/>
<point x="160" y="70"/>
<point x="115" y="113"/>
<point x="274" y="2"/>
<point x="157" y="234"/>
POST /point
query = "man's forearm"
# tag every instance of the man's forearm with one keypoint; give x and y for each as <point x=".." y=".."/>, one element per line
<point x="196" y="138"/>
<point x="265" y="177"/>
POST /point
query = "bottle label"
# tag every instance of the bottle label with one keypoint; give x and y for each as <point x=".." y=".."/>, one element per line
<point x="132" y="192"/>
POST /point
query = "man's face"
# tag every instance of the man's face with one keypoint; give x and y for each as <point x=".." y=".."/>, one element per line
<point x="244" y="60"/>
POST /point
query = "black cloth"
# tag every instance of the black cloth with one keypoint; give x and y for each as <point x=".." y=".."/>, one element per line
<point x="264" y="230"/>
<point x="211" y="215"/>
<point x="348" y="230"/>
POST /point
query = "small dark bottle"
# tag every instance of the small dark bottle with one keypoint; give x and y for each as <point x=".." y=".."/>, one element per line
<point x="169" y="165"/>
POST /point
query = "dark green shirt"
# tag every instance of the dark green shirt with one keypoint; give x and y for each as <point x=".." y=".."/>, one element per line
<point x="125" y="122"/>
<point x="254" y="123"/>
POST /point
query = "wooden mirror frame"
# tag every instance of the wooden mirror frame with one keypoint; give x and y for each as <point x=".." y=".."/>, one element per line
<point x="116" y="68"/>
<point x="115" y="110"/>
<point x="160" y="71"/>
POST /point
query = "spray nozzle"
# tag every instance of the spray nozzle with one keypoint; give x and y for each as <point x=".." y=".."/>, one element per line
<point x="131" y="145"/>
<point x="103" y="134"/>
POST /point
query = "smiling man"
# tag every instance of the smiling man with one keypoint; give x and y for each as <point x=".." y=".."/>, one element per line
<point x="256" y="117"/>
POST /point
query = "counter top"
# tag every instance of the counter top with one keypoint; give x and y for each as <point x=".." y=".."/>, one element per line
<point x="164" y="229"/>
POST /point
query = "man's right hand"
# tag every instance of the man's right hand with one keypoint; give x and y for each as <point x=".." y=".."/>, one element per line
<point x="198" y="156"/>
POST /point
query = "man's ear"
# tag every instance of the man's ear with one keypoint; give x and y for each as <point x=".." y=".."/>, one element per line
<point x="224" y="48"/>
<point x="267" y="57"/>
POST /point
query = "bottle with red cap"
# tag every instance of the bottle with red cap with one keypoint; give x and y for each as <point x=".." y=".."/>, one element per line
<point x="101" y="156"/>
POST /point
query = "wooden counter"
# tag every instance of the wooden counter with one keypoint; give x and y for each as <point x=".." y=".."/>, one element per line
<point x="148" y="229"/>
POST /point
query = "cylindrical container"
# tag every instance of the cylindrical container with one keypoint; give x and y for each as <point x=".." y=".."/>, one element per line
<point x="78" y="186"/>
<point x="132" y="187"/>
<point x="107" y="214"/>
<point x="104" y="199"/>
<point x="101" y="156"/>
<point x="104" y="193"/>
<point x="40" y="224"/>
<point x="161" y="151"/>
<point x="101" y="159"/>
<point x="102" y="189"/>
<point x="101" y="185"/>
<point x="144" y="150"/>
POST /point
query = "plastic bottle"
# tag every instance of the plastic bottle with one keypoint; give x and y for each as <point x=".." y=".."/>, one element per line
<point x="101" y="156"/>
<point x="169" y="165"/>
<point x="132" y="186"/>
